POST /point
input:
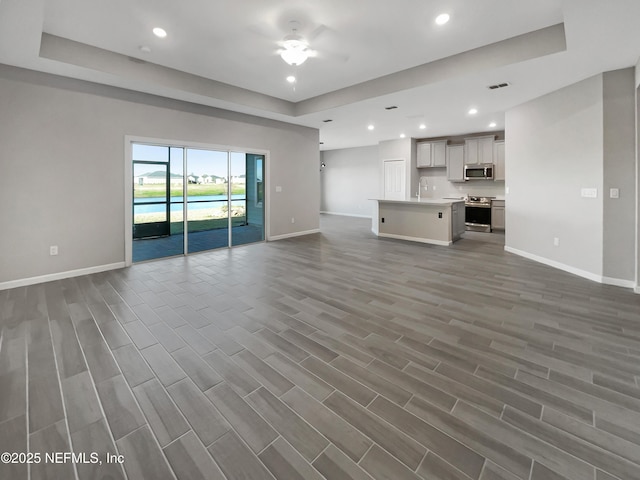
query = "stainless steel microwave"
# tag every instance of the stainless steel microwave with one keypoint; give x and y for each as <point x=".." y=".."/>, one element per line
<point x="478" y="172"/>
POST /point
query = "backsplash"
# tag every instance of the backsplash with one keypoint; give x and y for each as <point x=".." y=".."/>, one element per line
<point x="437" y="177"/>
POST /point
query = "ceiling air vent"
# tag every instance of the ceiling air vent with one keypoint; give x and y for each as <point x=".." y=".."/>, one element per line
<point x="499" y="85"/>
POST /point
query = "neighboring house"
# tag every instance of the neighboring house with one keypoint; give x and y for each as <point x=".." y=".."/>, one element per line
<point x="156" y="178"/>
<point x="205" y="179"/>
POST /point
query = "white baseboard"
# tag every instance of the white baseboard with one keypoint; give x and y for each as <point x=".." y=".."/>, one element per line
<point x="618" y="282"/>
<point x="415" y="239"/>
<point x="346" y="214"/>
<point x="60" y="275"/>
<point x="291" y="235"/>
<point x="575" y="271"/>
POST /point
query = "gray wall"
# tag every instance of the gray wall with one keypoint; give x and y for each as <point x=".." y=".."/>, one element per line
<point x="62" y="167"/>
<point x="580" y="136"/>
<point x="555" y="148"/>
<point x="349" y="180"/>
<point x="405" y="149"/>
<point x="619" y="172"/>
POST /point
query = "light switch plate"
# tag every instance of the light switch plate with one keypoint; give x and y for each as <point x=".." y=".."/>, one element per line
<point x="614" y="193"/>
<point x="589" y="192"/>
<point x="278" y="189"/>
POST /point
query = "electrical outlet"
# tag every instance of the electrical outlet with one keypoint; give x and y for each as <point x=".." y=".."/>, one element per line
<point x="614" y="193"/>
<point x="278" y="189"/>
<point x="556" y="242"/>
<point x="589" y="192"/>
<point x="53" y="250"/>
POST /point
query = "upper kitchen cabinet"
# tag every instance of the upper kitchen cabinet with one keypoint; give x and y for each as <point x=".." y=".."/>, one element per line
<point x="478" y="150"/>
<point x="455" y="163"/>
<point x="432" y="154"/>
<point x="498" y="159"/>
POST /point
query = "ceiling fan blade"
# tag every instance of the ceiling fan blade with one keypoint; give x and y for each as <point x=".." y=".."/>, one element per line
<point x="265" y="29"/>
<point x="334" y="56"/>
<point x="319" y="30"/>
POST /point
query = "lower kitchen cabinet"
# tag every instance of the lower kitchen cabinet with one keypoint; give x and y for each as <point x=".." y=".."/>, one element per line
<point x="497" y="215"/>
<point x="458" y="226"/>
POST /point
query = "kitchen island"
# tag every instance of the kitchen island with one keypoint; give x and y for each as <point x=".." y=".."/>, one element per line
<point x="435" y="221"/>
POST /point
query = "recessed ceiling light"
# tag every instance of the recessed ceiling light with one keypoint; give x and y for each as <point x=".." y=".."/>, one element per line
<point x="442" y="18"/>
<point x="159" y="32"/>
<point x="402" y="135"/>
<point x="492" y="125"/>
<point x="473" y="111"/>
<point x="291" y="79"/>
<point x="422" y="126"/>
<point x="371" y="127"/>
<point x="144" y="48"/>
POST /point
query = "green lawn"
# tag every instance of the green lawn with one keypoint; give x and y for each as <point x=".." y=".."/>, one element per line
<point x="195" y="190"/>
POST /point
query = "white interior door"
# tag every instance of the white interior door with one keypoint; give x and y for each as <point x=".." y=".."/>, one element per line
<point x="394" y="180"/>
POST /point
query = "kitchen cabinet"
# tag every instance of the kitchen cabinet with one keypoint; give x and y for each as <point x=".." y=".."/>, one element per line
<point x="497" y="215"/>
<point x="436" y="221"/>
<point x="478" y="150"/>
<point x="432" y="154"/>
<point x="455" y="163"/>
<point x="458" y="226"/>
<point x="498" y="160"/>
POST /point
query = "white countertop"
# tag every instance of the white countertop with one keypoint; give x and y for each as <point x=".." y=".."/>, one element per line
<point x="423" y="201"/>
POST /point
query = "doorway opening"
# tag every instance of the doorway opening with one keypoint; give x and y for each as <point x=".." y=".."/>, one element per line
<point x="188" y="200"/>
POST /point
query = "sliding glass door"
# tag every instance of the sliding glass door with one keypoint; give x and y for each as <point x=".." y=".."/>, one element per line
<point x="214" y="197"/>
<point x="157" y="201"/>
<point x="207" y="199"/>
<point x="247" y="204"/>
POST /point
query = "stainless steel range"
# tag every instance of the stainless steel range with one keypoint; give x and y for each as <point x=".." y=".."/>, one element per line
<point x="478" y="213"/>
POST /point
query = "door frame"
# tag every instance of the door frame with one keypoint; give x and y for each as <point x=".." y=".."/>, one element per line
<point x="128" y="180"/>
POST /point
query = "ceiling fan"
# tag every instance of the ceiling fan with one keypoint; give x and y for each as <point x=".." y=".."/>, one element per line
<point x="294" y="47"/>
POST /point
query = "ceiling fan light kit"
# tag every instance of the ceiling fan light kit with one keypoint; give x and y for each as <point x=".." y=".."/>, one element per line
<point x="294" y="56"/>
<point x="296" y="49"/>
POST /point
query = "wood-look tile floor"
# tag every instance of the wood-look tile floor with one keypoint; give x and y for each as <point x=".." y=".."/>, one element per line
<point x="336" y="355"/>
